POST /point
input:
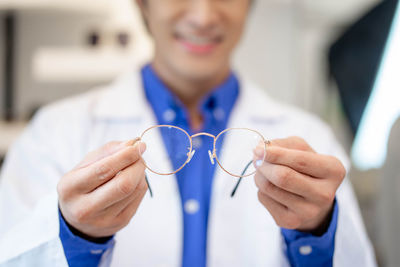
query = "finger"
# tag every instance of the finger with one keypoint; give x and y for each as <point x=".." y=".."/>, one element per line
<point x="289" y="179"/>
<point x="273" y="206"/>
<point x="127" y="213"/>
<point x="312" y="164"/>
<point x="294" y="203"/>
<point x="116" y="208"/>
<point x="293" y="142"/>
<point x="291" y="201"/>
<point x="122" y="186"/>
<point x="281" y="214"/>
<point x="104" y="151"/>
<point x="140" y="192"/>
<point x="111" y="221"/>
<point x="89" y="178"/>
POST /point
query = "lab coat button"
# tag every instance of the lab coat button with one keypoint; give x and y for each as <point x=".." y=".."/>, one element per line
<point x="191" y="206"/>
<point x="169" y="115"/>
<point x="305" y="250"/>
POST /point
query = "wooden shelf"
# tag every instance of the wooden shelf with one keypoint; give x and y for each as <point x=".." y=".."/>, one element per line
<point x="79" y="65"/>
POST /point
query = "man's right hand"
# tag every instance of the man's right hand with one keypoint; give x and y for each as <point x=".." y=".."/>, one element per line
<point x="100" y="195"/>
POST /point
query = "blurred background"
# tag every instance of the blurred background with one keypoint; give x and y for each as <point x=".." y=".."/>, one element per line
<point x="337" y="59"/>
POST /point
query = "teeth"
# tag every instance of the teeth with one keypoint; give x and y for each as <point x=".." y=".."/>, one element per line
<point x="199" y="40"/>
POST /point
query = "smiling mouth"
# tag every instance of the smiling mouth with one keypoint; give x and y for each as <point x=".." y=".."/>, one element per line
<point x="198" y="44"/>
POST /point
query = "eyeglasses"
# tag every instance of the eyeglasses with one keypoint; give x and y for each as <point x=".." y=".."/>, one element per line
<point x="179" y="145"/>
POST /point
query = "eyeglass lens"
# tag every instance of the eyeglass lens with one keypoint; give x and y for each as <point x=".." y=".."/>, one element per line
<point x="235" y="159"/>
<point x="156" y="157"/>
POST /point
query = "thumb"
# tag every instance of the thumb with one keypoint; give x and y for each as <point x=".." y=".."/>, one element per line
<point x="105" y="151"/>
<point x="292" y="142"/>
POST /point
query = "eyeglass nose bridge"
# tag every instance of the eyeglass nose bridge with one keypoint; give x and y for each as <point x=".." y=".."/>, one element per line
<point x="212" y="154"/>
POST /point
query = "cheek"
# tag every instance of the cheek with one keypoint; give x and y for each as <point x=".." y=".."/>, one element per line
<point x="235" y="24"/>
<point x="161" y="20"/>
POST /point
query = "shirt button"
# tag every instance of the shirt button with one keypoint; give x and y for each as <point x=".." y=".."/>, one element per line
<point x="197" y="142"/>
<point x="169" y="115"/>
<point x="96" y="251"/>
<point x="305" y="250"/>
<point x="219" y="114"/>
<point x="191" y="206"/>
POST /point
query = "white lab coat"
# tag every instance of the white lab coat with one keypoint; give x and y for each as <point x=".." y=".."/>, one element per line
<point x="241" y="231"/>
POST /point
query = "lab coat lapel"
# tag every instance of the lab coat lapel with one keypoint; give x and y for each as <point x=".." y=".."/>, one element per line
<point x="235" y="223"/>
<point x="157" y="223"/>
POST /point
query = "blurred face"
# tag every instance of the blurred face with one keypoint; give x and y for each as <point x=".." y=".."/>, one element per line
<point x="194" y="39"/>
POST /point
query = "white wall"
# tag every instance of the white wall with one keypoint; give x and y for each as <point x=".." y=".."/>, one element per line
<point x="266" y="53"/>
<point x="283" y="49"/>
<point x="57" y="30"/>
<point x="34" y="31"/>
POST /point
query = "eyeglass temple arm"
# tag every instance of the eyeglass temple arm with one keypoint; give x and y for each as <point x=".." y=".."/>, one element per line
<point x="240" y="179"/>
<point x="234" y="189"/>
<point x="148" y="185"/>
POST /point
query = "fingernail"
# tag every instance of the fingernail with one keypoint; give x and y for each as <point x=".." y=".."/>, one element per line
<point x="128" y="143"/>
<point x="259" y="163"/>
<point x="142" y="147"/>
<point x="259" y="152"/>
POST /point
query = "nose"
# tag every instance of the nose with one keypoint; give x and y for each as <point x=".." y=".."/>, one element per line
<point x="203" y="14"/>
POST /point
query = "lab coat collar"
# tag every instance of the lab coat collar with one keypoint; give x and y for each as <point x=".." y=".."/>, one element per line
<point x="119" y="101"/>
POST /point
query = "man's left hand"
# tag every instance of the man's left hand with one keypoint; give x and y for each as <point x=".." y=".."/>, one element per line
<point x="298" y="185"/>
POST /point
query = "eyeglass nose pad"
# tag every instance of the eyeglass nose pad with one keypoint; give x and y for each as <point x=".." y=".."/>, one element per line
<point x="211" y="157"/>
<point x="190" y="155"/>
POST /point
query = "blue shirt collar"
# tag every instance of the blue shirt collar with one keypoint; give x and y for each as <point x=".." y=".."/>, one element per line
<point x="217" y="105"/>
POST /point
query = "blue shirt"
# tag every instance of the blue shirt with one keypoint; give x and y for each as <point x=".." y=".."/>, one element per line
<point x="195" y="182"/>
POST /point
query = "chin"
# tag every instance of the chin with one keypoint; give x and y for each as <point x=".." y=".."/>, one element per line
<point x="201" y="69"/>
<point x="201" y="74"/>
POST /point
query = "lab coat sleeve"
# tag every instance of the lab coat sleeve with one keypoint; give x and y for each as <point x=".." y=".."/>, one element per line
<point x="352" y="245"/>
<point x="29" y="223"/>
<point x="304" y="249"/>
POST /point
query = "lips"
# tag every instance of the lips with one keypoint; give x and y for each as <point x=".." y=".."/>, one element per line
<point x="198" y="44"/>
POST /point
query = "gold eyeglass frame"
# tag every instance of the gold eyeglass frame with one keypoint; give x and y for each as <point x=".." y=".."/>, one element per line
<point x="212" y="155"/>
